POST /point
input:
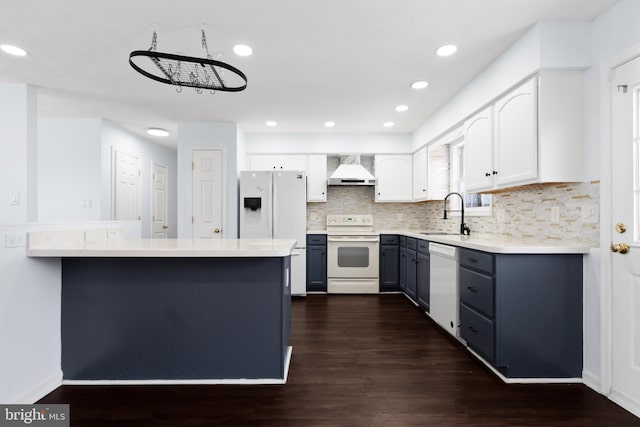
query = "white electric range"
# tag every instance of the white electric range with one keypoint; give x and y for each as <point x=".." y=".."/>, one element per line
<point x="352" y="254"/>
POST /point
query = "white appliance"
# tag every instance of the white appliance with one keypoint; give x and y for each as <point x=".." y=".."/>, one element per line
<point x="443" y="287"/>
<point x="352" y="254"/>
<point x="273" y="205"/>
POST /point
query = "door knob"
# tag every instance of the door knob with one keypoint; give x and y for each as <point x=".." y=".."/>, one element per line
<point x="216" y="230"/>
<point x="621" y="228"/>
<point x="622" y="248"/>
<point x="165" y="226"/>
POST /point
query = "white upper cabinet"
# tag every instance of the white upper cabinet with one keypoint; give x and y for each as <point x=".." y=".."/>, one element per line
<point x="516" y="136"/>
<point x="533" y="134"/>
<point x="394" y="177"/>
<point x="267" y="162"/>
<point x="317" y="178"/>
<point x="420" y="175"/>
<point x="478" y="157"/>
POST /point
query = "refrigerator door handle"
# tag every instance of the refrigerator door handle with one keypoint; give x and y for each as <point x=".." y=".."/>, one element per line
<point x="274" y="206"/>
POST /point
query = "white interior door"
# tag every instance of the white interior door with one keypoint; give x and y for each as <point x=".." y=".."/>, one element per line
<point x="207" y="194"/>
<point x="159" y="204"/>
<point x="126" y="187"/>
<point x="625" y="267"/>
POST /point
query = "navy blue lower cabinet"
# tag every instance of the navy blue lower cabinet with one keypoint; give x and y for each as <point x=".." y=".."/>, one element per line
<point x="175" y="318"/>
<point x="523" y="312"/>
<point x="411" y="261"/>
<point x="389" y="263"/>
<point x="423" y="281"/>
<point x="403" y="264"/>
<point x="316" y="263"/>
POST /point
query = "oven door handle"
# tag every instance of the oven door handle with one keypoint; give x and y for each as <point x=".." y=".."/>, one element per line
<point x="352" y="239"/>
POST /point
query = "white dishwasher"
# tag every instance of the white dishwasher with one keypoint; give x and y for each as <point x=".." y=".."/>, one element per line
<point x="443" y="287"/>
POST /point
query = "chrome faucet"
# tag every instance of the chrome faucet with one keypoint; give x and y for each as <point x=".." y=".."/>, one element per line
<point x="463" y="227"/>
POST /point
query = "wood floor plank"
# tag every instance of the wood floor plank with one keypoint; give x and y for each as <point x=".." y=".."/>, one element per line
<point x="358" y="360"/>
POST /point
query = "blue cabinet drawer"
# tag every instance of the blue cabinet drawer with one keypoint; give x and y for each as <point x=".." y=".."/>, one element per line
<point x="477" y="260"/>
<point x="423" y="247"/>
<point x="412" y="243"/>
<point x="316" y="239"/>
<point x="389" y="239"/>
<point x="476" y="290"/>
<point x="478" y="331"/>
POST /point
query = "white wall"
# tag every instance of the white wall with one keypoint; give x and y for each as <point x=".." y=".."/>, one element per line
<point x="115" y="138"/>
<point x="18" y="137"/>
<point x="329" y="143"/>
<point x="30" y="297"/>
<point x="69" y="169"/>
<point x="225" y="136"/>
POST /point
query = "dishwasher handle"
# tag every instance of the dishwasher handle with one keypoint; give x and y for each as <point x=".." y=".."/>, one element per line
<point x="443" y="250"/>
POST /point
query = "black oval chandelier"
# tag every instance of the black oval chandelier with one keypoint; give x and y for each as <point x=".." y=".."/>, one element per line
<point x="188" y="71"/>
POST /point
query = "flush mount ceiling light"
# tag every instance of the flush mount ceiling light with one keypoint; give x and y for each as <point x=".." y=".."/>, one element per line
<point x="329" y="124"/>
<point x="271" y="124"/>
<point x="158" y="132"/>
<point x="242" y="50"/>
<point x="401" y="108"/>
<point x="13" y="50"/>
<point x="388" y="124"/>
<point x="446" y="50"/>
<point x="187" y="71"/>
<point x="419" y="84"/>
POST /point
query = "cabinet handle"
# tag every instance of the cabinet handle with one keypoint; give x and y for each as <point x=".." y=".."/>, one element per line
<point x="472" y="329"/>
<point x="495" y="172"/>
<point x="487" y="174"/>
<point x="472" y="260"/>
<point x="472" y="289"/>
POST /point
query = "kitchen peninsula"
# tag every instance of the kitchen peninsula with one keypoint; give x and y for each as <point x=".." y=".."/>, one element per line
<point x="171" y="310"/>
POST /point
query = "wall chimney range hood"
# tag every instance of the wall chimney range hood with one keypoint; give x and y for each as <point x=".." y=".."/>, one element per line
<point x="351" y="172"/>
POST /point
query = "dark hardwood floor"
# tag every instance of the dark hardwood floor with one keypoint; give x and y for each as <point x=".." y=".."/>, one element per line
<point x="357" y="361"/>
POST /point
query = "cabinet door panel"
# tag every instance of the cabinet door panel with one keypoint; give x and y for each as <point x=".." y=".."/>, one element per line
<point x="478" y="331"/>
<point x="412" y="273"/>
<point x="389" y="267"/>
<point x="423" y="289"/>
<point x="317" y="178"/>
<point x="394" y="177"/>
<point x="516" y="138"/>
<point x="478" y="147"/>
<point x="420" y="174"/>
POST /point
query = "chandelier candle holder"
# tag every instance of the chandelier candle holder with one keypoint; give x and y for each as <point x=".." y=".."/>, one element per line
<point x="188" y="71"/>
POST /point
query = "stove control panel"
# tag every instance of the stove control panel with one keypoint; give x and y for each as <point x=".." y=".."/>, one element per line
<point x="350" y="220"/>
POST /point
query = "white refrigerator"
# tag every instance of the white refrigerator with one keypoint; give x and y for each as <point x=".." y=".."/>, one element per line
<point x="273" y="205"/>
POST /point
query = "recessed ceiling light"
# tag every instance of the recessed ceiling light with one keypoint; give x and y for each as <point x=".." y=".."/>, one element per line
<point x="419" y="85"/>
<point x="329" y="124"/>
<point x="446" y="50"/>
<point x="271" y="124"/>
<point x="158" y="132"/>
<point x="242" y="50"/>
<point x="13" y="50"/>
<point x="388" y="124"/>
<point x="401" y="108"/>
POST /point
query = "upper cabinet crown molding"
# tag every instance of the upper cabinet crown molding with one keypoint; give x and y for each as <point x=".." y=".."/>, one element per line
<point x="533" y="134"/>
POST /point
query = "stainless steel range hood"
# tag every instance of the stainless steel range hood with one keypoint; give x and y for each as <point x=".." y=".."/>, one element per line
<point x="351" y="172"/>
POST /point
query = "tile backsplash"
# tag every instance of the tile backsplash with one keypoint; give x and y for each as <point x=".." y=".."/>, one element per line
<point x="522" y="212"/>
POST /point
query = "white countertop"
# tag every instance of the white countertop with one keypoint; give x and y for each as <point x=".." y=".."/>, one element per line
<point x="494" y="244"/>
<point x="44" y="244"/>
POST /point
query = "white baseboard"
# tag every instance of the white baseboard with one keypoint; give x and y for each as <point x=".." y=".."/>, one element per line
<point x="39" y="390"/>
<point x="525" y="380"/>
<point x="626" y="402"/>
<point x="237" y="381"/>
<point x="591" y="380"/>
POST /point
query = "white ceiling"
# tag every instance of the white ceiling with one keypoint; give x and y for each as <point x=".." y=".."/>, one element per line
<point x="348" y="61"/>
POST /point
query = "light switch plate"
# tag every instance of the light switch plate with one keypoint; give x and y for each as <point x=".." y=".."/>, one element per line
<point x="555" y="215"/>
<point x="15" y="240"/>
<point x="590" y="213"/>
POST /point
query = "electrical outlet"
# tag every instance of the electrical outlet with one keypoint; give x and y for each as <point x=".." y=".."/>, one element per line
<point x="555" y="215"/>
<point x="15" y="240"/>
<point x="589" y="213"/>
